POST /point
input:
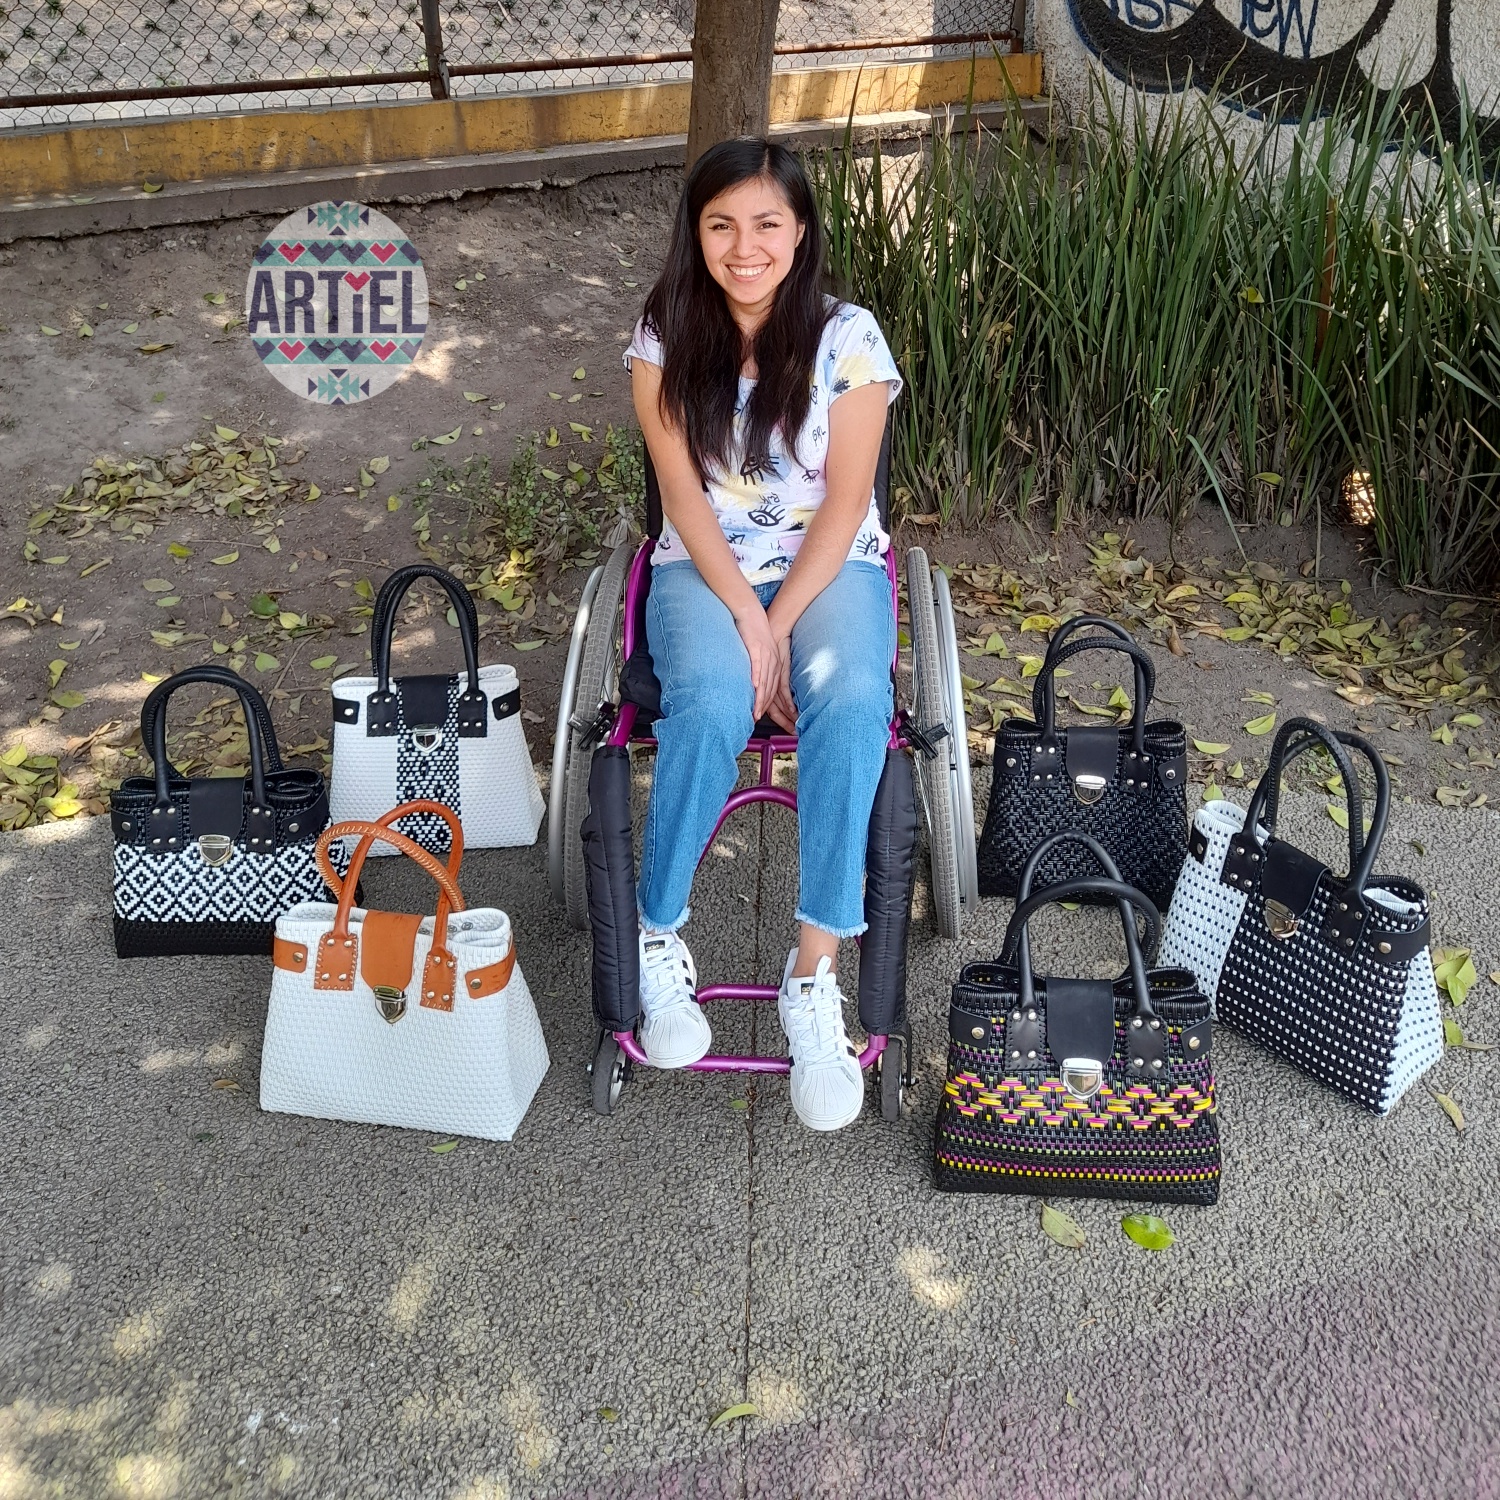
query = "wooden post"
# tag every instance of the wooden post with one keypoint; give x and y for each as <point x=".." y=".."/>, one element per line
<point x="733" y="48"/>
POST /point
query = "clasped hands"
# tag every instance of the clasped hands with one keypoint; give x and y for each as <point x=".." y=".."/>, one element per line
<point x="770" y="650"/>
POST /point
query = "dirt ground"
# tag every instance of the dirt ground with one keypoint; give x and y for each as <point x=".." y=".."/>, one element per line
<point x="103" y="600"/>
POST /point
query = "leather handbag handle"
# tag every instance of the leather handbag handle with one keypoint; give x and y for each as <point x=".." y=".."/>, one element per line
<point x="1067" y="836"/>
<point x="450" y="898"/>
<point x="1300" y="734"/>
<point x="1101" y="855"/>
<point x="383" y="622"/>
<point x="213" y="673"/>
<point x="1017" y="933"/>
<point x="1044" y="691"/>
<point x="154" y="725"/>
<point x="335" y="881"/>
<point x="1084" y="622"/>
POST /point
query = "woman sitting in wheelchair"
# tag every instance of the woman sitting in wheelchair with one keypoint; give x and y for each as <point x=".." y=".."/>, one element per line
<point x="763" y="403"/>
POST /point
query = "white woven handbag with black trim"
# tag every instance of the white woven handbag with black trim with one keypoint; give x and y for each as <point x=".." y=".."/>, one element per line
<point x="450" y="738"/>
<point x="391" y="1019"/>
<point x="1332" y="973"/>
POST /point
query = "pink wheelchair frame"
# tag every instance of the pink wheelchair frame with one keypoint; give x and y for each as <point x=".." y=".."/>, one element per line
<point x="767" y="747"/>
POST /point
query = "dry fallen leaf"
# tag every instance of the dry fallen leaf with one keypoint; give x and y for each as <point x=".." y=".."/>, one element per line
<point x="734" y="1414"/>
<point x="1061" y="1227"/>
<point x="1451" y="1109"/>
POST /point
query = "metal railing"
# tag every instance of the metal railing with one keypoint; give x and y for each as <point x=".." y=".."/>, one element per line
<point x="68" y="61"/>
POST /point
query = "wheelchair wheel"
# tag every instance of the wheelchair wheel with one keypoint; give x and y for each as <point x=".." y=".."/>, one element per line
<point x="609" y="1072"/>
<point x="557" y="791"/>
<point x="890" y="1072"/>
<point x="943" y="783"/>
<point x="598" y="674"/>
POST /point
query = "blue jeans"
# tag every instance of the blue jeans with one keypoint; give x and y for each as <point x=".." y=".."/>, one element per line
<point x="842" y="648"/>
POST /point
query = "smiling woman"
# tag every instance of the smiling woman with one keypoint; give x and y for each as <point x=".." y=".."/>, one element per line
<point x="763" y="401"/>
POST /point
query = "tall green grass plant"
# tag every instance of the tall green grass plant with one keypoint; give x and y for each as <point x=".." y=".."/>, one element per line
<point x="1162" y="305"/>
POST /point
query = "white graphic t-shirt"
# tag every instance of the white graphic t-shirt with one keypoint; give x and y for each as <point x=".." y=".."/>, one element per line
<point x="765" y="509"/>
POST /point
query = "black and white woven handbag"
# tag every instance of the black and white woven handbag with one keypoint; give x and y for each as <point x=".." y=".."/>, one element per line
<point x="1330" y="972"/>
<point x="454" y="738"/>
<point x="1126" y="786"/>
<point x="206" y="864"/>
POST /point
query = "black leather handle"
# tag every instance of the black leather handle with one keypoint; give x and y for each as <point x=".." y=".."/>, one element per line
<point x="1044" y="691"/>
<point x="1084" y="622"/>
<point x="1295" y="737"/>
<point x="1067" y="836"/>
<point x="154" y="716"/>
<point x="212" y="672"/>
<point x="383" y="620"/>
<point x="1101" y="855"/>
<point x="1017" y="935"/>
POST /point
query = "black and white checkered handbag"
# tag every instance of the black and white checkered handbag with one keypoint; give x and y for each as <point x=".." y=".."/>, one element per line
<point x="1330" y="972"/>
<point x="445" y="737"/>
<point x="206" y="864"/>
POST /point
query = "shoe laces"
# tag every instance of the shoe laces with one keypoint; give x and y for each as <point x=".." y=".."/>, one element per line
<point x="665" y="979"/>
<point x="816" y="1014"/>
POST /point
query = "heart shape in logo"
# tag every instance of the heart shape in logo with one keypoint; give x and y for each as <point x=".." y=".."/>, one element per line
<point x="382" y="253"/>
<point x="357" y="279"/>
<point x="291" y="350"/>
<point x="383" y="351"/>
<point x="292" y="252"/>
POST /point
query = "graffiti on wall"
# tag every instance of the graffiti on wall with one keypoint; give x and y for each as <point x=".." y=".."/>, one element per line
<point x="1277" y="55"/>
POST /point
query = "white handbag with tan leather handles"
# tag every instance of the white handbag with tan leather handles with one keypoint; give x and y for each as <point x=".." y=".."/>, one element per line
<point x="392" y="1019"/>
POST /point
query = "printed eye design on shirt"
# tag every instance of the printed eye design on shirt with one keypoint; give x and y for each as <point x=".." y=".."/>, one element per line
<point x="736" y="538"/>
<point x="770" y="512"/>
<point x="811" y="476"/>
<point x="868" y="544"/>
<point x="778" y="563"/>
<point x="760" y="467"/>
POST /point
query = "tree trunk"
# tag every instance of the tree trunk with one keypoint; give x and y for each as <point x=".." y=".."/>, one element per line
<point x="733" y="46"/>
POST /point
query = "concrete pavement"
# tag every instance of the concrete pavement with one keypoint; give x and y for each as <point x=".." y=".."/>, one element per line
<point x="197" y="1299"/>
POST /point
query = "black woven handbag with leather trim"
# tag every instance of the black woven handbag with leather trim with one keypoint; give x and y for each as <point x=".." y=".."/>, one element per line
<point x="1124" y="785"/>
<point x="1090" y="1088"/>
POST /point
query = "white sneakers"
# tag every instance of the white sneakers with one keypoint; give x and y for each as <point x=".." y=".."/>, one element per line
<point x="828" y="1089"/>
<point x="675" y="1031"/>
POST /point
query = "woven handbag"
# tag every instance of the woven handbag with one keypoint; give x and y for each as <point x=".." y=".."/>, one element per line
<point x="206" y="864"/>
<point x="390" y="1019"/>
<point x="1125" y="786"/>
<point x="1330" y="972"/>
<point x="1090" y="1088"/>
<point x="450" y="738"/>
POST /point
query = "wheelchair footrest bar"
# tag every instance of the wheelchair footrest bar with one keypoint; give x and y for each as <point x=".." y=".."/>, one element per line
<point x="735" y="1062"/>
<point x="708" y="993"/>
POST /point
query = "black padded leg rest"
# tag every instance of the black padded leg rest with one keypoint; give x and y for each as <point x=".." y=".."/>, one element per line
<point x="890" y="857"/>
<point x="609" y="869"/>
<point x="171" y="939"/>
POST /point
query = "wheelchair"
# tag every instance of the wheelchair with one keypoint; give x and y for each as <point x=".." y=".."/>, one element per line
<point x="610" y="696"/>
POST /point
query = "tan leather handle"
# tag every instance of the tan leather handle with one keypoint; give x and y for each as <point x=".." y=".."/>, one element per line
<point x="335" y="881"/>
<point x="449" y="896"/>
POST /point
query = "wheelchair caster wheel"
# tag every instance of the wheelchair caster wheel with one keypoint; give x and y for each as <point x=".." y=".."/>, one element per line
<point x="890" y="1068"/>
<point x="609" y="1070"/>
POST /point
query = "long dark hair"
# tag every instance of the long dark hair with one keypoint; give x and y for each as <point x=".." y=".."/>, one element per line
<point x="702" y="347"/>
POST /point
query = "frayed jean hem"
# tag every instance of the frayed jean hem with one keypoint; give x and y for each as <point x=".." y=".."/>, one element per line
<point x="838" y="932"/>
<point x="647" y="925"/>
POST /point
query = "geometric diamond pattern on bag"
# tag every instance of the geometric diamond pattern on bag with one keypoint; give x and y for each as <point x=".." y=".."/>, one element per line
<point x="430" y="775"/>
<point x="183" y="887"/>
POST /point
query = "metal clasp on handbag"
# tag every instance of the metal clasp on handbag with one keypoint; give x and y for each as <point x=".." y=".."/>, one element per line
<point x="427" y="737"/>
<point x="1281" y="919"/>
<point x="1083" y="1077"/>
<point x="1089" y="788"/>
<point x="215" y="847"/>
<point x="392" y="1002"/>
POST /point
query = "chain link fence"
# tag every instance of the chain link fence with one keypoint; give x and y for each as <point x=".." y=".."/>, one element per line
<point x="69" y="61"/>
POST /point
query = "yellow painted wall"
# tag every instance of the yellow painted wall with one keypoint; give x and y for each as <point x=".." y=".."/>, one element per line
<point x="36" y="163"/>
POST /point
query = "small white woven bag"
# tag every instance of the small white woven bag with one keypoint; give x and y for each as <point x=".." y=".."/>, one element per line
<point x="391" y="1019"/>
<point x="451" y="738"/>
<point x="1332" y="973"/>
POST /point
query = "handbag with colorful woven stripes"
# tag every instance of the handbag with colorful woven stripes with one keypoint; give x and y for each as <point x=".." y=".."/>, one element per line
<point x="1091" y="1088"/>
